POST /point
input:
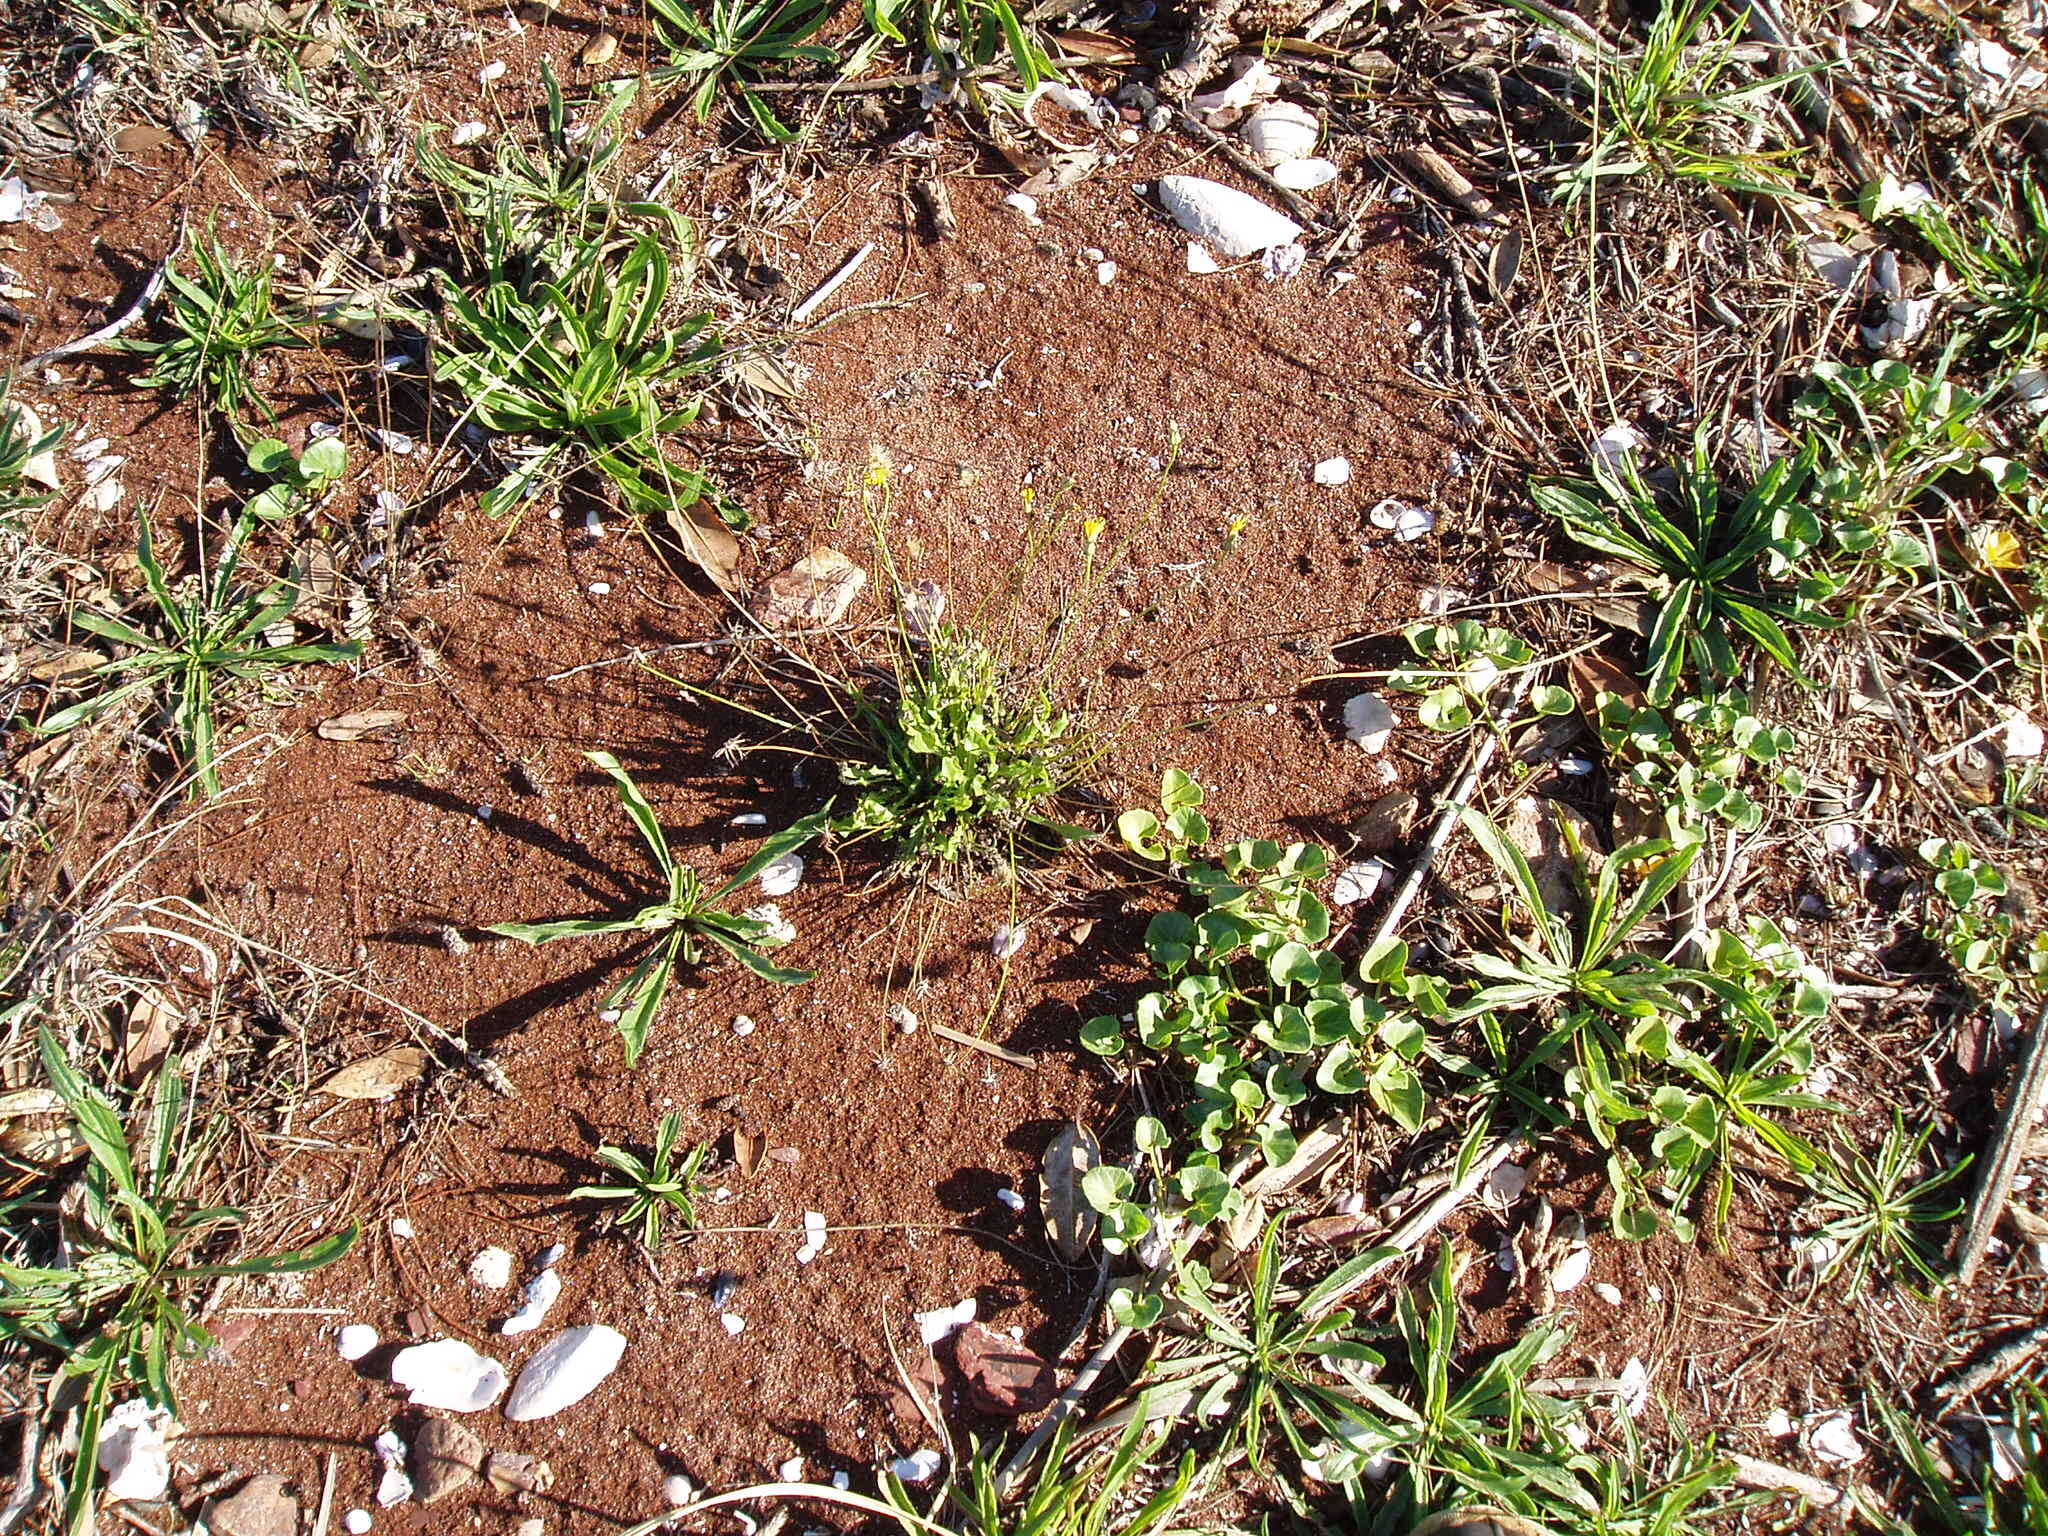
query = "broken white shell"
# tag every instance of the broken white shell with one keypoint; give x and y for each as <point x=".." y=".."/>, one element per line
<point x="917" y="1467"/>
<point x="1232" y="222"/>
<point x="1281" y="131"/>
<point x="1834" y="1439"/>
<point x="813" y="1245"/>
<point x="2023" y="738"/>
<point x="1254" y="81"/>
<point x="355" y="1340"/>
<point x="1331" y="472"/>
<point x="1368" y="720"/>
<point x="1199" y="259"/>
<point x="1307" y="173"/>
<point x="943" y="1322"/>
<point x="780" y="876"/>
<point x="568" y="1369"/>
<point x="1571" y="1269"/>
<point x="132" y="1455"/>
<point x="41" y="467"/>
<point x="1007" y="940"/>
<point x="1357" y="882"/>
<point x="540" y="1294"/>
<point x="448" y="1374"/>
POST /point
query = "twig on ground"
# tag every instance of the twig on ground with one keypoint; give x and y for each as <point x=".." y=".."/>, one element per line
<point x="1752" y="1473"/>
<point x="122" y="321"/>
<point x="326" y="1509"/>
<point x="1440" y="834"/>
<point x="2008" y="1146"/>
<point x="1992" y="1369"/>
<point x="985" y="1047"/>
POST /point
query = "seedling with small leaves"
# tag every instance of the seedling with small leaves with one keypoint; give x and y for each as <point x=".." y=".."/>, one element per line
<point x="204" y="642"/>
<point x="1883" y="1211"/>
<point x="682" y="923"/>
<point x="655" y="1189"/>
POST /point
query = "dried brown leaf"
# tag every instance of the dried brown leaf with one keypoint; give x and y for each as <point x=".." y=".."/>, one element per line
<point x="359" y="723"/>
<point x="378" y="1077"/>
<point x="747" y="1150"/>
<point x="707" y="540"/>
<point x="1069" y="1218"/>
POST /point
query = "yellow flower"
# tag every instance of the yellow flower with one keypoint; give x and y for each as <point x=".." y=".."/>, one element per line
<point x="1999" y="548"/>
<point x="1091" y="530"/>
<point x="879" y="467"/>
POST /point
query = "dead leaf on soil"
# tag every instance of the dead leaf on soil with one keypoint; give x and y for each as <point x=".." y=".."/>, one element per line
<point x="133" y="141"/>
<point x="148" y="1038"/>
<point x="512" y="1472"/>
<point x="1385" y="822"/>
<point x="767" y="375"/>
<point x="445" y="1458"/>
<point x="747" y="1150"/>
<point x="1593" y="674"/>
<point x="1096" y="47"/>
<point x="1069" y="1218"/>
<point x="1341" y="1231"/>
<point x="1536" y="826"/>
<point x="357" y="724"/>
<point x="1003" y="1377"/>
<point x="707" y="540"/>
<point x="378" y="1077"/>
<point x="815" y="592"/>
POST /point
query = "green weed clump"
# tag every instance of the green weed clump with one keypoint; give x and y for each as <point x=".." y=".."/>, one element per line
<point x="682" y="924"/>
<point x="117" y="1315"/>
<point x="210" y="637"/>
<point x="653" y="1189"/>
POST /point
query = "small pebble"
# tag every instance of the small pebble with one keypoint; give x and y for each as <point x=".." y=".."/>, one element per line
<point x="600" y="589"/>
<point x="356" y="1522"/>
<point x="401" y="1227"/>
<point x="743" y="1026"/>
<point x="792" y="1470"/>
<point x="492" y="72"/>
<point x="734" y="1323"/>
<point x="491" y="1269"/>
<point x="678" y="1490"/>
<point x="355" y="1341"/>
<point x="1332" y="472"/>
<point x="1011" y="1198"/>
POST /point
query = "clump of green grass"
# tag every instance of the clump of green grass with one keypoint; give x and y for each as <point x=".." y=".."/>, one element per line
<point x="1707" y="549"/>
<point x="725" y="45"/>
<point x="653" y="1189"/>
<point x="2002" y="265"/>
<point x="1883" y="1212"/>
<point x="683" y="922"/>
<point x="221" y="317"/>
<point x="116" y="1313"/>
<point x="1679" y="107"/>
<point x="209" y="637"/>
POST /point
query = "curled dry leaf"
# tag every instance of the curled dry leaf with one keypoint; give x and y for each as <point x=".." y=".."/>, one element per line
<point x="148" y="1037"/>
<point x="707" y="540"/>
<point x="357" y="724"/>
<point x="35" y="1128"/>
<point x="816" y="591"/>
<point x="377" y="1077"/>
<point x="748" y="1147"/>
<point x="1069" y="1218"/>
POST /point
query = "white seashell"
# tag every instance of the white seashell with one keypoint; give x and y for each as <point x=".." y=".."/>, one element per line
<point x="1235" y="224"/>
<point x="780" y="876"/>
<point x="1006" y="941"/>
<point x="1254" y="81"/>
<point x="356" y="1522"/>
<point x="1331" y="472"/>
<point x="1306" y="174"/>
<point x="492" y="72"/>
<point x="448" y="1374"/>
<point x="1024" y="205"/>
<point x="355" y="1340"/>
<point x="904" y="1020"/>
<point x="40" y="468"/>
<point x="1406" y="523"/>
<point x="1570" y="1272"/>
<point x="1357" y="882"/>
<point x="540" y="1294"/>
<point x="748" y="819"/>
<point x="394" y="1487"/>
<point x="1200" y="261"/>
<point x="491" y="1269"/>
<point x="2023" y="738"/>
<point x="678" y="1490"/>
<point x="1616" y="442"/>
<point x="568" y="1369"/>
<point x="1635" y="1387"/>
<point x="131" y="1452"/>
<point x="466" y="133"/>
<point x="1779" y="1425"/>
<point x="1611" y="1294"/>
<point x="1834" y="1439"/>
<point x="734" y="1323"/>
<point x="105" y="496"/>
<point x="1281" y="131"/>
<point x="813" y="1245"/>
<point x="917" y="1467"/>
<point x="943" y="1322"/>
<point x="1011" y="1199"/>
<point x="1368" y="720"/>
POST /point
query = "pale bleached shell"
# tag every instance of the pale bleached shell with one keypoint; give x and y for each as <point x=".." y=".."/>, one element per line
<point x="1571" y="1269"/>
<point x="1235" y="224"/>
<point x="568" y="1369"/>
<point x="131" y="1453"/>
<point x="1368" y="720"/>
<point x="1306" y="174"/>
<point x="448" y="1374"/>
<point x="39" y="468"/>
<point x="1281" y="131"/>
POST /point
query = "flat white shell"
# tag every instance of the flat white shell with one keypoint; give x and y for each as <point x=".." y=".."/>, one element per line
<point x="448" y="1374"/>
<point x="1232" y="222"/>
<point x="568" y="1369"/>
